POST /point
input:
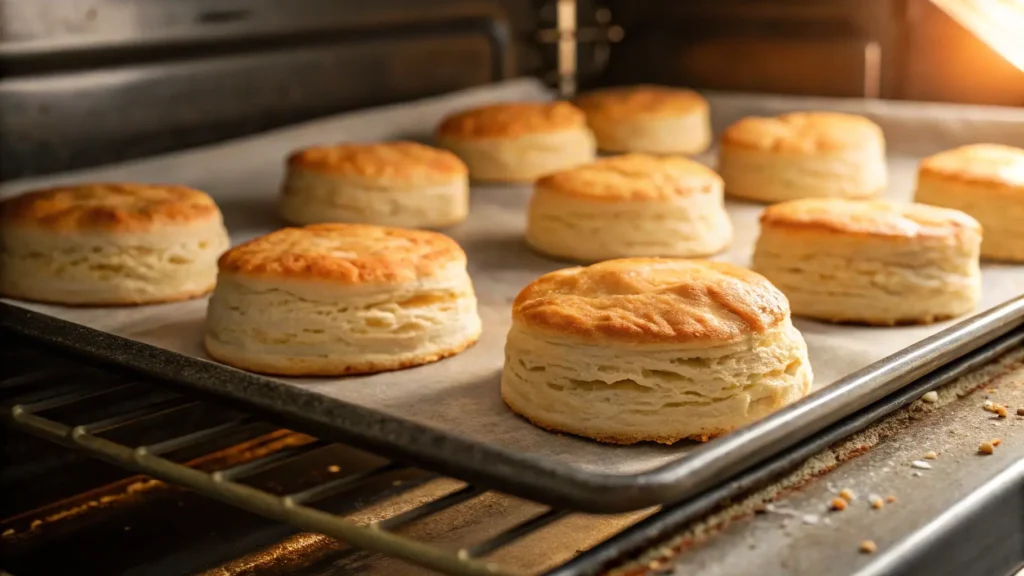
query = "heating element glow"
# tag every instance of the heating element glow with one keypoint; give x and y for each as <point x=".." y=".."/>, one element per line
<point x="997" y="23"/>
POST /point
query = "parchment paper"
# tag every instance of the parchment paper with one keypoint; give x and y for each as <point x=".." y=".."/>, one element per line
<point x="460" y="394"/>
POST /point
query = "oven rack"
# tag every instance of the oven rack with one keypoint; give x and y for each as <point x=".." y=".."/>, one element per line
<point x="30" y="400"/>
<point x="50" y="393"/>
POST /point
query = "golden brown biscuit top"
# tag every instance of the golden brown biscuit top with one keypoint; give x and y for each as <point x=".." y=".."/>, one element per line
<point x="869" y="217"/>
<point x="990" y="164"/>
<point x="345" y="253"/>
<point x="652" y="301"/>
<point x="803" y="133"/>
<point x="108" y="207"/>
<point x="644" y="100"/>
<point x="513" y="119"/>
<point x="637" y="177"/>
<point x="383" y="161"/>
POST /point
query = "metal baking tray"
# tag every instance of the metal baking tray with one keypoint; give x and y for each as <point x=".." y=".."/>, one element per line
<point x="448" y="416"/>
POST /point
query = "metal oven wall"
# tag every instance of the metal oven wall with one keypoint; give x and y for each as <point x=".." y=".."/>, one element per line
<point x="87" y="82"/>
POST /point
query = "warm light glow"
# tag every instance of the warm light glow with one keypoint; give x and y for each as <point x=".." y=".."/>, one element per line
<point x="998" y="23"/>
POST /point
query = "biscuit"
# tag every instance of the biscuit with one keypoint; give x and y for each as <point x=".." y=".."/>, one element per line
<point x="987" y="182"/>
<point x="648" y="119"/>
<point x="871" y="262"/>
<point x="803" y="155"/>
<point x="390" y="183"/>
<point x="336" y="299"/>
<point x="630" y="205"/>
<point x="518" y="142"/>
<point x="110" y="244"/>
<point x="648" y="349"/>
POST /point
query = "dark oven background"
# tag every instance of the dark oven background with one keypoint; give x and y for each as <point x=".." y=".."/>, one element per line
<point x="94" y="81"/>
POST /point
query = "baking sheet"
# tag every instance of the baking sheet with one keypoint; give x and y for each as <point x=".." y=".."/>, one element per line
<point x="460" y="395"/>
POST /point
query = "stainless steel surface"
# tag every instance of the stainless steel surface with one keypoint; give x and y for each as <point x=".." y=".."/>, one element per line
<point x="92" y="82"/>
<point x="872" y="70"/>
<point x="1005" y="491"/>
<point x="458" y="397"/>
<point x="567" y="47"/>
<point x="961" y="517"/>
<point x="33" y="28"/>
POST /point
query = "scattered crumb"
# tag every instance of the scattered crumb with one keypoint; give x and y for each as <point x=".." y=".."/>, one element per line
<point x="986" y="448"/>
<point x="35" y="524"/>
<point x="8" y="532"/>
<point x="811" y="519"/>
<point x="998" y="409"/>
<point x="1020" y="411"/>
<point x="847" y="494"/>
<point x="921" y="464"/>
<point x="876" y="501"/>
<point x="916" y="474"/>
<point x="930" y="455"/>
<point x="930" y="397"/>
<point x="838" y="504"/>
<point x="890" y="499"/>
<point x="997" y="442"/>
<point x="868" y="547"/>
<point x="334" y="468"/>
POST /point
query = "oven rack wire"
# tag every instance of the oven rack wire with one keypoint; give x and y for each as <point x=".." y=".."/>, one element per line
<point x="28" y="398"/>
<point x="50" y="393"/>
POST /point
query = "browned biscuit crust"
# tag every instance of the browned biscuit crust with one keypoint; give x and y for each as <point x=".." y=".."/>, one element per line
<point x="803" y="133"/>
<point x="108" y="207"/>
<point x="512" y="120"/>
<point x="628" y="102"/>
<point x="991" y="165"/>
<point x="345" y="253"/>
<point x="633" y="177"/>
<point x="386" y="162"/>
<point x="868" y="218"/>
<point x="652" y="301"/>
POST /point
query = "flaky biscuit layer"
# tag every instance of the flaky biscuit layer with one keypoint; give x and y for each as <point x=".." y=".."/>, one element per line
<point x="302" y="328"/>
<point x="101" y="268"/>
<point x="777" y="177"/>
<point x="987" y="182"/>
<point x="311" y="197"/>
<point x="631" y="393"/>
<point x="585" y="230"/>
<point x="896" y="275"/>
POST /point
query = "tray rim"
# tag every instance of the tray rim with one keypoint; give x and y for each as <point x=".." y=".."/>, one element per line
<point x="534" y="477"/>
<point x="665" y="523"/>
